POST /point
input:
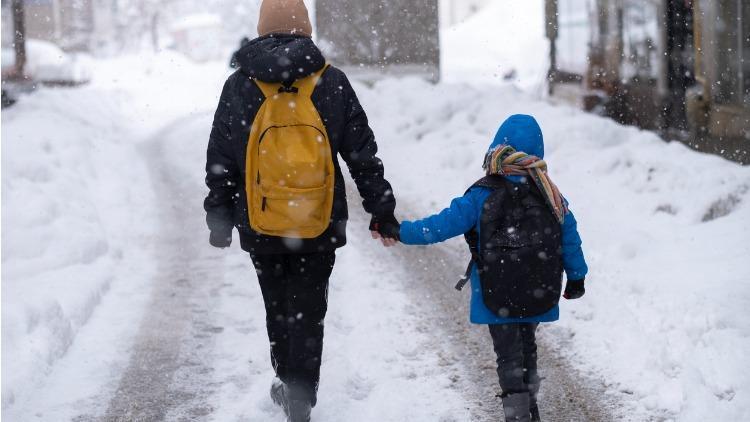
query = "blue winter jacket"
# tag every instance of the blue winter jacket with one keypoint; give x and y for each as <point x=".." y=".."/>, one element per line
<point x="524" y="134"/>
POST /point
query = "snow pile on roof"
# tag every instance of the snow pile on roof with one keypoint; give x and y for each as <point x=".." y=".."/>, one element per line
<point x="665" y="233"/>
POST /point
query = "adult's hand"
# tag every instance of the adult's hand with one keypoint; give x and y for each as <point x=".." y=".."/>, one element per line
<point x="220" y="239"/>
<point x="386" y="228"/>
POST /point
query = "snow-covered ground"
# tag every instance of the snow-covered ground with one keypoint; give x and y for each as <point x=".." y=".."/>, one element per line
<point x="665" y="232"/>
<point x="78" y="206"/>
<point x="664" y="228"/>
<point x="78" y="286"/>
<point x="377" y="364"/>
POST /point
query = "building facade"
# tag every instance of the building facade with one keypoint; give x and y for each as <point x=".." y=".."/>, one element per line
<point x="399" y="36"/>
<point x="680" y="67"/>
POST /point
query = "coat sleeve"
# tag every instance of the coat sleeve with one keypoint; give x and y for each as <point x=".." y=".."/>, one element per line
<point x="462" y="214"/>
<point x="222" y="172"/>
<point x="358" y="149"/>
<point x="572" y="253"/>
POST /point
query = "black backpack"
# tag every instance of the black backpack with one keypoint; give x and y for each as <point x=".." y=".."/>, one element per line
<point x="520" y="262"/>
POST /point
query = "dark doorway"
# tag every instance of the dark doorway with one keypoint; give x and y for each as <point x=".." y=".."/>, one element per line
<point x="680" y="61"/>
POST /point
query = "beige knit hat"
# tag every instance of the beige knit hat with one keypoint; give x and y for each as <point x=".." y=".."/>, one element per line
<point x="284" y="17"/>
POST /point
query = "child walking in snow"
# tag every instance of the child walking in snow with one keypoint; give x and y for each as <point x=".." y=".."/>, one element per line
<point x="522" y="236"/>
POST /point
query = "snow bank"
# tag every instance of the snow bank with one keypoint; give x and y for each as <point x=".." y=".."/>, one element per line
<point x="77" y="199"/>
<point x="58" y="257"/>
<point x="503" y="43"/>
<point x="665" y="233"/>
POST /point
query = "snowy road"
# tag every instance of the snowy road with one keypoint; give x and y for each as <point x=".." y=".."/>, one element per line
<point x="200" y="352"/>
<point x="566" y="395"/>
<point x="168" y="373"/>
<point x="116" y="308"/>
<point x="172" y="369"/>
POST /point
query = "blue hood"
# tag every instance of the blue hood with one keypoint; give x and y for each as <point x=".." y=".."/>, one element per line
<point x="523" y="133"/>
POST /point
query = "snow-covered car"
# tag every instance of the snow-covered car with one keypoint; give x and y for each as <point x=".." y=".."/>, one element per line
<point x="47" y="63"/>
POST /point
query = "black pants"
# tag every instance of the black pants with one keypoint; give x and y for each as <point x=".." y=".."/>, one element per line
<point x="515" y="348"/>
<point x="295" y="293"/>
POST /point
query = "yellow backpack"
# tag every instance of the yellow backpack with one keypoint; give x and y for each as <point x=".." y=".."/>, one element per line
<point x="289" y="168"/>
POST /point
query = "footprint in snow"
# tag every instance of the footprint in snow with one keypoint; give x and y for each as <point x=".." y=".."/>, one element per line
<point x="359" y="387"/>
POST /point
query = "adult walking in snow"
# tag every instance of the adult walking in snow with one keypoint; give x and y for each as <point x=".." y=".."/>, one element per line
<point x="521" y="235"/>
<point x="272" y="171"/>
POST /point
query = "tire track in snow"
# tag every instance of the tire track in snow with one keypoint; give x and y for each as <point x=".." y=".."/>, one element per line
<point x="168" y="377"/>
<point x="565" y="396"/>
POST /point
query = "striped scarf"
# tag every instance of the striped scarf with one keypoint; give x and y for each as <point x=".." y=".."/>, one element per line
<point x="504" y="160"/>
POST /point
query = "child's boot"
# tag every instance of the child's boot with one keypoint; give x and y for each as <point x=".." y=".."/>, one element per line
<point x="535" y="414"/>
<point x="516" y="407"/>
<point x="534" y="384"/>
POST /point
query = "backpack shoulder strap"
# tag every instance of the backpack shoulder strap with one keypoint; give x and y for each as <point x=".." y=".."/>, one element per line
<point x="304" y="86"/>
<point x="493" y="182"/>
<point x="472" y="240"/>
<point x="268" y="89"/>
<point x="307" y="85"/>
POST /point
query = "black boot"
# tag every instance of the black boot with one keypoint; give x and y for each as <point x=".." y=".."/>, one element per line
<point x="516" y="407"/>
<point x="298" y="402"/>
<point x="299" y="410"/>
<point x="296" y="408"/>
<point x="278" y="395"/>
<point x="535" y="414"/>
<point x="533" y="381"/>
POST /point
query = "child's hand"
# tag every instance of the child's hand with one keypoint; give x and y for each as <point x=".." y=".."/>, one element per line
<point x="387" y="242"/>
<point x="386" y="228"/>
<point x="574" y="289"/>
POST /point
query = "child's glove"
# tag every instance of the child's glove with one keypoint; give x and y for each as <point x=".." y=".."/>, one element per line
<point x="386" y="225"/>
<point x="574" y="289"/>
<point x="220" y="239"/>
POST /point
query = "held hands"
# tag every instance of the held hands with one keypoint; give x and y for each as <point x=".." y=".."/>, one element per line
<point x="386" y="228"/>
<point x="574" y="289"/>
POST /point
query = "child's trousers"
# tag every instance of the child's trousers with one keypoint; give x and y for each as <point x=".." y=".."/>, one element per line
<point x="515" y="347"/>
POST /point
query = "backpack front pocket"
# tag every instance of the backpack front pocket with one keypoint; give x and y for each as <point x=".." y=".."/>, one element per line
<point x="285" y="209"/>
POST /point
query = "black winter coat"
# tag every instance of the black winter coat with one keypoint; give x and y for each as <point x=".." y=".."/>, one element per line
<point x="277" y="58"/>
